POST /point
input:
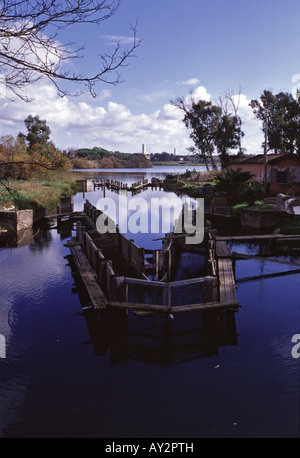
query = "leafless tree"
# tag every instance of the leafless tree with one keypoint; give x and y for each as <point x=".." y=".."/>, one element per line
<point x="231" y="100"/>
<point x="30" y="45"/>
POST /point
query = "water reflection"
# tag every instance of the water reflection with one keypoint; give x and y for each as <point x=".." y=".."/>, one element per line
<point x="160" y="339"/>
<point x="132" y="175"/>
<point x="17" y="239"/>
<point x="36" y="238"/>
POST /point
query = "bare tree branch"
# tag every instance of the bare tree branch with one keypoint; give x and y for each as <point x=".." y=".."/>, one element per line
<point x="234" y="101"/>
<point x="30" y="46"/>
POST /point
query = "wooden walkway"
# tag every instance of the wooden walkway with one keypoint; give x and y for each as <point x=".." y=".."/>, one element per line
<point x="222" y="250"/>
<point x="120" y="186"/>
<point x="257" y="238"/>
<point x="227" y="288"/>
<point x="88" y="277"/>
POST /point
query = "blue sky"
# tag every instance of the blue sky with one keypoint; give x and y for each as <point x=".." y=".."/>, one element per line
<point x="203" y="46"/>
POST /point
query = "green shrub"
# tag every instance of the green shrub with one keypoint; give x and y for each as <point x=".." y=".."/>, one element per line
<point x="252" y="192"/>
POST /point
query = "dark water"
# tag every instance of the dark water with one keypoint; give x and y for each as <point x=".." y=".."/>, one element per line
<point x="72" y="374"/>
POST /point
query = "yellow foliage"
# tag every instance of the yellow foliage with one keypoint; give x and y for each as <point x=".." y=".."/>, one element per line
<point x="17" y="163"/>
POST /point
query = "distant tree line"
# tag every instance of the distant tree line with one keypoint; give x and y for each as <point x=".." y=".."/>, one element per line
<point x="169" y="157"/>
<point x="99" y="157"/>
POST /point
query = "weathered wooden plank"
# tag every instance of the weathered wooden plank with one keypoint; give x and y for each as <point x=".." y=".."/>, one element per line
<point x="88" y="277"/>
<point x="134" y="305"/>
<point x="95" y="292"/>
<point x="139" y="281"/>
<point x="222" y="250"/>
<point x="70" y="215"/>
<point x="177" y="309"/>
<point x="71" y="244"/>
<point x="227" y="282"/>
<point x="256" y="238"/>
<point x="206" y="306"/>
<point x="80" y="259"/>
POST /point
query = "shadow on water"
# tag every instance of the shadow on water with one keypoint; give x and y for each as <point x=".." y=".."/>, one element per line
<point x="160" y="339"/>
<point x="37" y="238"/>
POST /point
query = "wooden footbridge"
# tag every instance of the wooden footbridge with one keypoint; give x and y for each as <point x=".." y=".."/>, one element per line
<point x="276" y="242"/>
<point x="135" y="187"/>
<point x="258" y="238"/>
<point x="126" y="284"/>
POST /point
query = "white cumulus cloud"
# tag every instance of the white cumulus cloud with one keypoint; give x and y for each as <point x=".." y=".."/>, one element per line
<point x="78" y="122"/>
<point x="189" y="82"/>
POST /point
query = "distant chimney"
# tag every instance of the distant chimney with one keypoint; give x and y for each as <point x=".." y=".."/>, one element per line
<point x="175" y="152"/>
<point x="143" y="148"/>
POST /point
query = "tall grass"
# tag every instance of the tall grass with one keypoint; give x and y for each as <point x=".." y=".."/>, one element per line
<point x="39" y="192"/>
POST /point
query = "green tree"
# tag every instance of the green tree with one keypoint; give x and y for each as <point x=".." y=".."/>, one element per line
<point x="211" y="130"/>
<point x="228" y="136"/>
<point x="201" y="118"/>
<point x="282" y="113"/>
<point x="38" y="132"/>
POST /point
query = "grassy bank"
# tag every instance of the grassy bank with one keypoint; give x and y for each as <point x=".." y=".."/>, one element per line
<point x="47" y="192"/>
<point x="190" y="182"/>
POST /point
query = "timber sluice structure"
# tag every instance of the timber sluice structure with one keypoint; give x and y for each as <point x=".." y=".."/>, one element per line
<point x="115" y="271"/>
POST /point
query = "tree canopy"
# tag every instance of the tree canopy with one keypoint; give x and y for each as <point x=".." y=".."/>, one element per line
<point x="211" y="129"/>
<point x="24" y="157"/>
<point x="282" y="113"/>
<point x="38" y="132"/>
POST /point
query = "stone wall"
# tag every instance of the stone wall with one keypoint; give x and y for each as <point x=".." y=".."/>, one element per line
<point x="16" y="221"/>
<point x="263" y="220"/>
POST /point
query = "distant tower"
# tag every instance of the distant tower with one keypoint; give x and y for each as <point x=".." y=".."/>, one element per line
<point x="175" y="151"/>
<point x="144" y="148"/>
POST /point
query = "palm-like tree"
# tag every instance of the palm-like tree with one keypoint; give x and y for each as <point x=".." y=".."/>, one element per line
<point x="232" y="185"/>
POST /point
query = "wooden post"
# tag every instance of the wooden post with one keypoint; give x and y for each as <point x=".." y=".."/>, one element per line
<point x="109" y="273"/>
<point x="100" y="270"/>
<point x="210" y="289"/>
<point x="156" y="264"/>
<point x="78" y="231"/>
<point x="129" y="251"/>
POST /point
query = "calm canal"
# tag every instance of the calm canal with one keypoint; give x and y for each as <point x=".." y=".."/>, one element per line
<point x="67" y="375"/>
